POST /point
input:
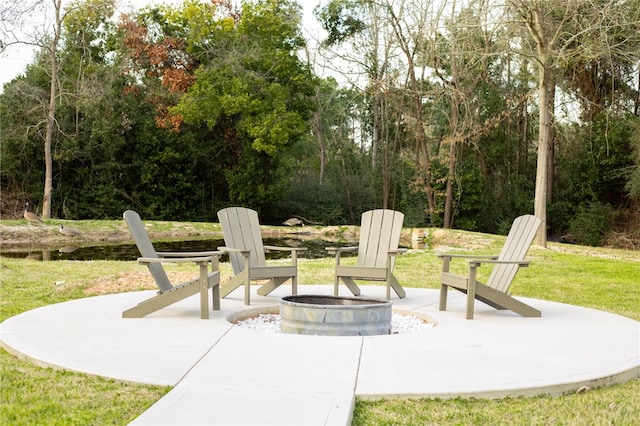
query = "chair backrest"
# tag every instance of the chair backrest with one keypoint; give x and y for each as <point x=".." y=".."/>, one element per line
<point x="515" y="248"/>
<point x="379" y="232"/>
<point x="241" y="230"/>
<point x="146" y="249"/>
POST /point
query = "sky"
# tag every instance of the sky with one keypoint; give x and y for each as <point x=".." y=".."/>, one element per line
<point x="16" y="58"/>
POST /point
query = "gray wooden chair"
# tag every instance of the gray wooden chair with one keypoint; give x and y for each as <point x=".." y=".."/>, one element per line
<point x="377" y="250"/>
<point x="496" y="292"/>
<point x="243" y="243"/>
<point x="168" y="293"/>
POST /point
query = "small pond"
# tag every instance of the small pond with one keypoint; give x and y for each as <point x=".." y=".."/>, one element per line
<point x="315" y="249"/>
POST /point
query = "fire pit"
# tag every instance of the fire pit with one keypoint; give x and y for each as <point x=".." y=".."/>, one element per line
<point x="335" y="316"/>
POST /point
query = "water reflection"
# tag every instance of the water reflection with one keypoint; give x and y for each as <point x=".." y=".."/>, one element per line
<point x="129" y="252"/>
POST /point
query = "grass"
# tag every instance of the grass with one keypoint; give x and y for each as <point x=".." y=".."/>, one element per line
<point x="34" y="395"/>
<point x="607" y="406"/>
<point x="593" y="277"/>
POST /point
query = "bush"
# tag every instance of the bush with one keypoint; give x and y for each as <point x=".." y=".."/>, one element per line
<point x="559" y="216"/>
<point x="591" y="223"/>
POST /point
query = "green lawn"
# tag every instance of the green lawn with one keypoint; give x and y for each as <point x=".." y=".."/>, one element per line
<point x="598" y="278"/>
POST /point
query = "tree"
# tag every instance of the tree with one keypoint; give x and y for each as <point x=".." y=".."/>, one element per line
<point x="564" y="32"/>
<point x="253" y="90"/>
<point x="50" y="45"/>
<point x="361" y="30"/>
<point x="413" y="29"/>
<point x="462" y="59"/>
<point x="14" y="15"/>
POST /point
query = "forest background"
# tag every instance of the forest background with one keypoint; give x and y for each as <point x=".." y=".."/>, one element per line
<point x="460" y="114"/>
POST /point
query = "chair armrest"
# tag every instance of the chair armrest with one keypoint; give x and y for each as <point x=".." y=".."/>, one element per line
<point x="278" y="248"/>
<point x="523" y="263"/>
<point x="397" y="251"/>
<point x="334" y="250"/>
<point x="233" y="250"/>
<point x="446" y="259"/>
<point x="293" y="251"/>
<point x="170" y="254"/>
<point x="201" y="259"/>
<point x="467" y="256"/>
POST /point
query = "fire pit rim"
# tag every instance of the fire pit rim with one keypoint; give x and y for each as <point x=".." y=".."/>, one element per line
<point x="361" y="302"/>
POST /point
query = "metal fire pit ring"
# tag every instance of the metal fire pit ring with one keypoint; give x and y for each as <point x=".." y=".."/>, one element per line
<point x="335" y="315"/>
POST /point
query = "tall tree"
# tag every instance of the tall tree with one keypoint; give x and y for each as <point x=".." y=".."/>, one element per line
<point x="463" y="59"/>
<point x="414" y="23"/>
<point x="360" y="37"/>
<point x="566" y="31"/>
<point x="252" y="89"/>
<point x="51" y="43"/>
<point x="51" y="113"/>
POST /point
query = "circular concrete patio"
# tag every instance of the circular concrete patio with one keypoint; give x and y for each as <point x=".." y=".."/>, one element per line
<point x="219" y="369"/>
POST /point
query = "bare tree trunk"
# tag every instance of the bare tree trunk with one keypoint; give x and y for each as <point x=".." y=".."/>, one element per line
<point x="417" y="94"/>
<point x="375" y="124"/>
<point x="540" y="203"/>
<point x="383" y="163"/>
<point x="51" y="113"/>
<point x="319" y="135"/>
<point x="448" y="201"/>
<point x="551" y="143"/>
<point x="636" y="107"/>
<point x="543" y="46"/>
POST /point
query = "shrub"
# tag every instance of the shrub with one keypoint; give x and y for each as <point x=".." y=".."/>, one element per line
<point x="591" y="223"/>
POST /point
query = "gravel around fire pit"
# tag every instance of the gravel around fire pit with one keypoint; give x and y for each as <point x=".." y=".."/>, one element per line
<point x="399" y="323"/>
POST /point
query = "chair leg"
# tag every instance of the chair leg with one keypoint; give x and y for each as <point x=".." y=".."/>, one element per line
<point x="215" y="296"/>
<point x="443" y="297"/>
<point x="247" y="292"/>
<point x="471" y="290"/>
<point x="271" y="285"/>
<point x="392" y="283"/>
<point x="232" y="284"/>
<point x="214" y="283"/>
<point x="470" y="303"/>
<point x="443" y="288"/>
<point x="204" y="293"/>
<point x="351" y="285"/>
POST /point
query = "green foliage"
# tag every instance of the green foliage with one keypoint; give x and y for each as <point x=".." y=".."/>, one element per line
<point x="592" y="167"/>
<point x="412" y="201"/>
<point x="22" y="146"/>
<point x="591" y="223"/>
<point x="633" y="183"/>
<point x="252" y="89"/>
<point x="341" y="19"/>
<point x="559" y="215"/>
<point x="255" y="121"/>
<point x="110" y="153"/>
<point x="248" y="182"/>
<point x="319" y="203"/>
<point x="346" y="192"/>
<point x="593" y="171"/>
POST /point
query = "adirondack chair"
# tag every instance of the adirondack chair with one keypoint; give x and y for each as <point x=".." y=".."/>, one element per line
<point x="168" y="293"/>
<point x="377" y="250"/>
<point x="496" y="292"/>
<point x="243" y="243"/>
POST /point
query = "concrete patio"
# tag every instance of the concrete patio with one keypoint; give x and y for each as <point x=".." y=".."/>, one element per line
<point x="223" y="374"/>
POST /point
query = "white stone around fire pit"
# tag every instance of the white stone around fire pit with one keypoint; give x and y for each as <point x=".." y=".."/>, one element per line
<point x="400" y="323"/>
